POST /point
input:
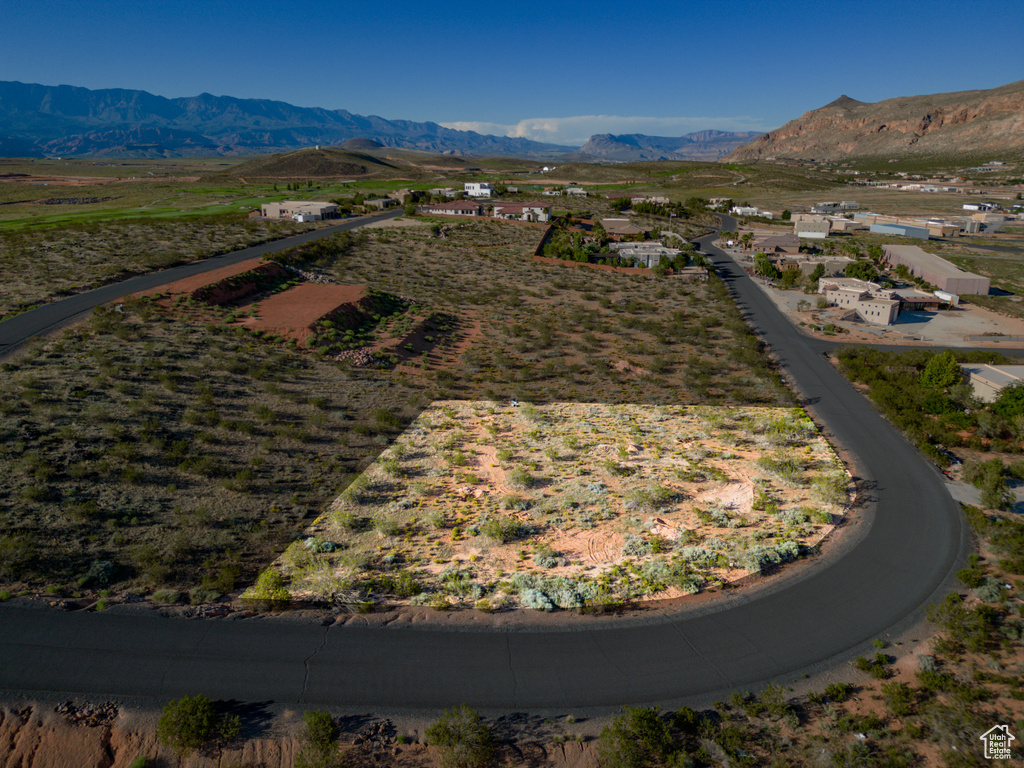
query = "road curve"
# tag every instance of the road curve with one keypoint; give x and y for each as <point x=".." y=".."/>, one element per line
<point x="909" y="539"/>
<point x="49" y="317"/>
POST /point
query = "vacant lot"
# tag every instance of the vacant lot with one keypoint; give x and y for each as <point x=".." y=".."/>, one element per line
<point x="569" y="504"/>
<point x="162" y="448"/>
<point x="37" y="266"/>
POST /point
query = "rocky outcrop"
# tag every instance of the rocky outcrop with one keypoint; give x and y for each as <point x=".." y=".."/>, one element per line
<point x="965" y="124"/>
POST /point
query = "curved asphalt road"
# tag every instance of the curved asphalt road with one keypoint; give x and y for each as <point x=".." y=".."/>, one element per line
<point x="49" y="317"/>
<point x="897" y="558"/>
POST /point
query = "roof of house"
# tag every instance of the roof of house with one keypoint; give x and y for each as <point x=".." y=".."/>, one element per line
<point x="772" y="241"/>
<point x="620" y="227"/>
<point x="454" y="205"/>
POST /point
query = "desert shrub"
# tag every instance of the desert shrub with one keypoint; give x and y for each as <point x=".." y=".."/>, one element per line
<point x="784" y="468"/>
<point x="989" y="590"/>
<point x="838" y="692"/>
<point x="545" y="556"/>
<point x="830" y="489"/>
<point x="635" y="546"/>
<point x="188" y="724"/>
<point x="503" y="529"/>
<point x="520" y="478"/>
<point x="899" y="698"/>
<point x="318" y="748"/>
<point x="269" y="586"/>
<point x="462" y="738"/>
<point x="637" y="738"/>
<point x="758" y="557"/>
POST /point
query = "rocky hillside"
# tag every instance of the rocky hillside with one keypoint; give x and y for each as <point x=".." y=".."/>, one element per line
<point x="963" y="125"/>
<point x="636" y="147"/>
<point x="42" y="120"/>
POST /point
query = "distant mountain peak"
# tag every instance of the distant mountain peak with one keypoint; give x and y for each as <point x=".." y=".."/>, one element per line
<point x="962" y="125"/>
<point x="844" y="101"/>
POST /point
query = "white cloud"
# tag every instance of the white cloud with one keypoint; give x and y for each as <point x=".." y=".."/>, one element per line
<point x="577" y="129"/>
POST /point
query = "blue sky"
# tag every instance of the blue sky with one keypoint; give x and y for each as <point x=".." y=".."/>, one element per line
<point x="554" y="71"/>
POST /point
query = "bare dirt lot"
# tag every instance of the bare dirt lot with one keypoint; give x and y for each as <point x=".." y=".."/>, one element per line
<point x="569" y="504"/>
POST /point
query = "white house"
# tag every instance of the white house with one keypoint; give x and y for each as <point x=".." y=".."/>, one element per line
<point x="479" y="189"/>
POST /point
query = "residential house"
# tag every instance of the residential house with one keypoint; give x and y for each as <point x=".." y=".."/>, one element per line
<point x="787" y="243"/>
<point x="540" y="212"/>
<point x="479" y="189"/>
<point x="621" y="228"/>
<point x="299" y="210"/>
<point x="455" y="208"/>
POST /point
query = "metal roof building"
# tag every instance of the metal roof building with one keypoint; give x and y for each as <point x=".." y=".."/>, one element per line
<point x="935" y="270"/>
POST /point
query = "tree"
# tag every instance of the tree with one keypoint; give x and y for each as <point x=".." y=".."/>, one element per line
<point x="862" y="269"/>
<point x="942" y="371"/>
<point x="462" y="738"/>
<point x="764" y="267"/>
<point x="787" y="215"/>
<point x="791" y="277"/>
<point x="1010" y="403"/>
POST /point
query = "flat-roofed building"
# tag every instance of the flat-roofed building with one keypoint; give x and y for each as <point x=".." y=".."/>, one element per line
<point x="478" y="188"/>
<point x="904" y="230"/>
<point x="988" y="381"/>
<point x="299" y="210"/>
<point x="813" y="230"/>
<point x="935" y="270"/>
<point x="455" y="208"/>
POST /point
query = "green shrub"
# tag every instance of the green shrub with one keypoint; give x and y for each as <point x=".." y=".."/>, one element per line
<point x="318" y="748"/>
<point x="269" y="586"/>
<point x="638" y="738"/>
<point x="187" y="724"/>
<point x="462" y="738"/>
<point x="503" y="529"/>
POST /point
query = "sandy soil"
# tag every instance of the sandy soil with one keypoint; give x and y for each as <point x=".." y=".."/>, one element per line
<point x="291" y="313"/>
<point x="597" y="492"/>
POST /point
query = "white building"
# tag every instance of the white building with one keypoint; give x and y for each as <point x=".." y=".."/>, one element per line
<point x="299" y="210"/>
<point x="479" y="189"/>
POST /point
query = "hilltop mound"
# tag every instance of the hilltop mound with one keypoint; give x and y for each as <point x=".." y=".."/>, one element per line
<point x="313" y="163"/>
<point x="956" y="126"/>
<point x="359" y="145"/>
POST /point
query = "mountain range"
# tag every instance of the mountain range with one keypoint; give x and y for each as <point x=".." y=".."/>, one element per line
<point x="970" y="125"/>
<point x="636" y="147"/>
<point x="41" y="120"/>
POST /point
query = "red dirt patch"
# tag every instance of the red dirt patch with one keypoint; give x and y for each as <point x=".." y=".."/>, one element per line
<point x="190" y="284"/>
<point x="291" y="313"/>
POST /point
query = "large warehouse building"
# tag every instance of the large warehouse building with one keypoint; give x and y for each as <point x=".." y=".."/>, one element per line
<point x="937" y="271"/>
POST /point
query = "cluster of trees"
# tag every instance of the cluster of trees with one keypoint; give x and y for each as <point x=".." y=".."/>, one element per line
<point x="924" y="394"/>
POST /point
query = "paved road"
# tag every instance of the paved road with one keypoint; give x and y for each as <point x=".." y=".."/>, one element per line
<point x="18" y="329"/>
<point x="909" y="539"/>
